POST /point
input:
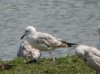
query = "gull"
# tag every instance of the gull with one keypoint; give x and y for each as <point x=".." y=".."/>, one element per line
<point x="44" y="41"/>
<point x="27" y="51"/>
<point x="91" y="55"/>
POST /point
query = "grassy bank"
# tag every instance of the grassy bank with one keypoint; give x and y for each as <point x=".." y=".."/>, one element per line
<point x="66" y="65"/>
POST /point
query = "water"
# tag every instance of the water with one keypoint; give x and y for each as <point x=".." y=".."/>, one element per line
<point x="72" y="20"/>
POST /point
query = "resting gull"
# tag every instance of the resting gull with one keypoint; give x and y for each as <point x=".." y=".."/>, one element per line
<point x="44" y="41"/>
<point x="27" y="51"/>
<point x="91" y="55"/>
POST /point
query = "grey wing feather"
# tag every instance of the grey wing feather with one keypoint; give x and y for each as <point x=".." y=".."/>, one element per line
<point x="46" y="39"/>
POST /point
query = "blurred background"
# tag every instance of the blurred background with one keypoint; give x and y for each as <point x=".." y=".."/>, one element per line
<point x="72" y="20"/>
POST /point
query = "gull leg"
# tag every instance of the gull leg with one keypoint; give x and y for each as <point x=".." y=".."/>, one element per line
<point x="51" y="56"/>
<point x="40" y="55"/>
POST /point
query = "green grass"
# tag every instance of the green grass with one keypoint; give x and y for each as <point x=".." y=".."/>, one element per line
<point x="65" y="65"/>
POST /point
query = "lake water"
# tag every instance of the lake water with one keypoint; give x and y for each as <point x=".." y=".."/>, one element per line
<point x="72" y="20"/>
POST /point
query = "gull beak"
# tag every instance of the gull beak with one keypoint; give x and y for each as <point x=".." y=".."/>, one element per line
<point x="23" y="36"/>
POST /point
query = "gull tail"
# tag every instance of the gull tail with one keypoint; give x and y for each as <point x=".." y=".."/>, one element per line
<point x="68" y="44"/>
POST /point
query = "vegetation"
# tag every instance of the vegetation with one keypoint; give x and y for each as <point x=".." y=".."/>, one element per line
<point x="65" y="65"/>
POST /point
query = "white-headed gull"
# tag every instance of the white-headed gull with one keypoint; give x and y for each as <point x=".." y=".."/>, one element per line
<point x="27" y="51"/>
<point x="44" y="41"/>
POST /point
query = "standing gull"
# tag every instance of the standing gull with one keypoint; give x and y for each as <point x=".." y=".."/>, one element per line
<point x="44" y="41"/>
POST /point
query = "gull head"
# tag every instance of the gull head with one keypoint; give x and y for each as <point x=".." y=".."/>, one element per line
<point x="28" y="31"/>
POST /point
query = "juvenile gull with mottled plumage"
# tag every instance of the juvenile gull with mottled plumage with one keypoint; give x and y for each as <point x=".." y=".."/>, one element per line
<point x="27" y="51"/>
<point x="91" y="55"/>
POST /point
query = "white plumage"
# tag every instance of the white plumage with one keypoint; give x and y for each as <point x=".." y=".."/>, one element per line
<point x="27" y="51"/>
<point x="81" y="49"/>
<point x="43" y="41"/>
<point x="90" y="55"/>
